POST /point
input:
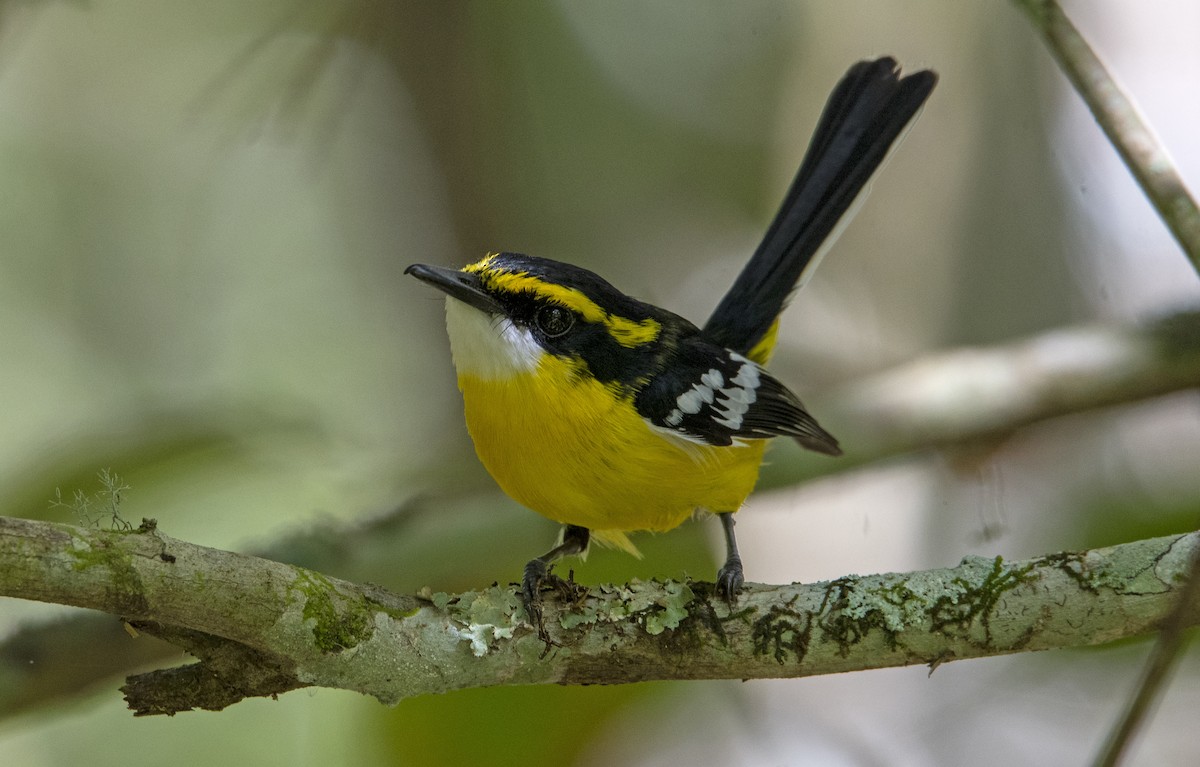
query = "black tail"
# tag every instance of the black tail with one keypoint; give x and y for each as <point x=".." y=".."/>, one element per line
<point x="864" y="115"/>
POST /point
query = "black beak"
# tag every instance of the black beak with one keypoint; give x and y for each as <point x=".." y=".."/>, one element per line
<point x="461" y="285"/>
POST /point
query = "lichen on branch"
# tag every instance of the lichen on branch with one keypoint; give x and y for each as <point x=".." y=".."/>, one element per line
<point x="260" y="627"/>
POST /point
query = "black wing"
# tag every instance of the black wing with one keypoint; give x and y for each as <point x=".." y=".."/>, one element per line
<point x="714" y="396"/>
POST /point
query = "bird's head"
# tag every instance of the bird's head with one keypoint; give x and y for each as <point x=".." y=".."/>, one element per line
<point x="508" y="310"/>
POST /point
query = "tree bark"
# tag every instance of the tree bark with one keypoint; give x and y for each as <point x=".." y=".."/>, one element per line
<point x="261" y="628"/>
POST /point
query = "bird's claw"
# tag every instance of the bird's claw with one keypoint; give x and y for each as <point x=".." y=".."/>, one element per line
<point x="730" y="580"/>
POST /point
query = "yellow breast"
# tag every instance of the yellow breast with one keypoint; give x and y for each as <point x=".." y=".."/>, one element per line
<point x="575" y="453"/>
<point x="563" y="444"/>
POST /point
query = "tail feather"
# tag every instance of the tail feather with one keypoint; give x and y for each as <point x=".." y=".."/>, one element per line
<point x="865" y="114"/>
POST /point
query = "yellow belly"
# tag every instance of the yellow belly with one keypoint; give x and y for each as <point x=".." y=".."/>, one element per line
<point x="572" y="452"/>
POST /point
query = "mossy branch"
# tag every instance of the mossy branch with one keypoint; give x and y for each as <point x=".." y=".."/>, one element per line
<point x="262" y="628"/>
<point x="954" y="398"/>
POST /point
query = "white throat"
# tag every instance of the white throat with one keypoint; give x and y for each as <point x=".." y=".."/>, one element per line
<point x="488" y="346"/>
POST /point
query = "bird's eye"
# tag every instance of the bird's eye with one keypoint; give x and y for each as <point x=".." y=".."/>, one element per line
<point x="554" y="320"/>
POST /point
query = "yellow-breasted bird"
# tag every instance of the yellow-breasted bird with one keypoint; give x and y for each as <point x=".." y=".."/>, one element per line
<point x="610" y="415"/>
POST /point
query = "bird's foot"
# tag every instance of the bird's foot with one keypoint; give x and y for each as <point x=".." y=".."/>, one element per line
<point x="730" y="580"/>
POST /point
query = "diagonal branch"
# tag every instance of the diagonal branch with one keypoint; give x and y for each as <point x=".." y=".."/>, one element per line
<point x="985" y="394"/>
<point x="1155" y="173"/>
<point x="261" y="627"/>
<point x="1157" y="672"/>
<point x="1137" y="145"/>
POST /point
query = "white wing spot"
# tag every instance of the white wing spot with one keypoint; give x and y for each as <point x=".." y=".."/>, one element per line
<point x="733" y="407"/>
<point x="713" y="379"/>
<point x="730" y="400"/>
<point x="729" y="411"/>
<point x="734" y="401"/>
<point x="733" y="425"/>
<point x="694" y="398"/>
<point x="743" y="396"/>
<point x="747" y="375"/>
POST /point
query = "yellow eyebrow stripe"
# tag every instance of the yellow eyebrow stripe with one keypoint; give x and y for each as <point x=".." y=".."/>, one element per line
<point x="631" y="333"/>
<point x="628" y="333"/>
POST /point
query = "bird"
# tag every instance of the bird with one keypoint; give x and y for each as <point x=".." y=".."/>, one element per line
<point x="610" y="415"/>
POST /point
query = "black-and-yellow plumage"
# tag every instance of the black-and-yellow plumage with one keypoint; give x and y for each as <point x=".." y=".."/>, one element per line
<point x="612" y="415"/>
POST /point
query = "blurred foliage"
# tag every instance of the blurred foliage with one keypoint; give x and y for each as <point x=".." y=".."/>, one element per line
<point x="509" y="725"/>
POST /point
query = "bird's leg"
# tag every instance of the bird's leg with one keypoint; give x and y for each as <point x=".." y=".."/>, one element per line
<point x="574" y="541"/>
<point x="729" y="577"/>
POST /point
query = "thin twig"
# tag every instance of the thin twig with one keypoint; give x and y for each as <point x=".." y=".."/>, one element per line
<point x="1137" y="145"/>
<point x="1154" y="171"/>
<point x="1154" y="677"/>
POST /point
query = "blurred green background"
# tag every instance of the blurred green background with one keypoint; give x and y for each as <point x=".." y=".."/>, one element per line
<point x="205" y="213"/>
